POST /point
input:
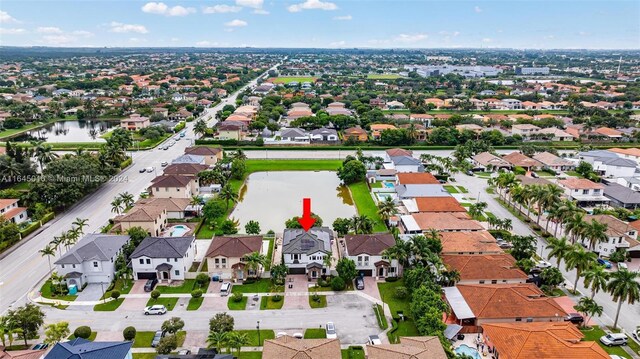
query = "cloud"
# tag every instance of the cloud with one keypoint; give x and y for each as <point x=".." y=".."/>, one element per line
<point x="82" y="33"/>
<point x="236" y="23"/>
<point x="206" y="43"/>
<point x="447" y="33"/>
<point x="477" y="9"/>
<point x="255" y="4"/>
<point x="260" y="12"/>
<point x="486" y="39"/>
<point x="161" y="8"/>
<point x="313" y="5"/>
<point x="58" y="39"/>
<point x="14" y="31"/>
<point x="410" y="38"/>
<point x="137" y="40"/>
<point x="5" y="18"/>
<point x="583" y="33"/>
<point x="343" y="18"/>
<point x="220" y="9"/>
<point x="49" y="30"/>
<point x="338" y="43"/>
<point x="124" y="28"/>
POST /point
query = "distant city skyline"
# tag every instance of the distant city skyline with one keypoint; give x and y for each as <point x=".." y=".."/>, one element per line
<point x="323" y="24"/>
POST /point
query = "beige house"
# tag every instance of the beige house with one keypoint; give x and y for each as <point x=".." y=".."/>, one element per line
<point x="211" y="154"/>
<point x="290" y="347"/>
<point x="225" y="256"/>
<point x="410" y="348"/>
<point x="174" y="186"/>
<point x="153" y="219"/>
<point x="135" y="122"/>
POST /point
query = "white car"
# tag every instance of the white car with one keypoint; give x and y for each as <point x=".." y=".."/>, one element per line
<point x="543" y="265"/>
<point x="374" y="340"/>
<point x="622" y="266"/>
<point x="281" y="334"/>
<point x="298" y="335"/>
<point x="331" y="330"/>
<point x="157" y="309"/>
<point x="150" y="169"/>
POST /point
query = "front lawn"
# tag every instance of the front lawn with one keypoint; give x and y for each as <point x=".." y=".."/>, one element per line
<point x="315" y="333"/>
<point x="260" y="286"/>
<point x="168" y="302"/>
<point x="109" y="306"/>
<point x="187" y="286"/>
<point x="267" y="303"/>
<point x="195" y="303"/>
<point x="267" y="266"/>
<point x="233" y="305"/>
<point x="573" y="174"/>
<point x="380" y="317"/>
<point x="450" y="188"/>
<point x="253" y="336"/>
<point x="291" y="165"/>
<point x="120" y="287"/>
<point x="143" y="339"/>
<point x="353" y="353"/>
<point x="387" y="293"/>
<point x="594" y="333"/>
<point x="366" y="206"/>
<point x="151" y="355"/>
<point x="45" y="292"/>
<point x="249" y="355"/>
<point x="406" y="328"/>
<point x="321" y="301"/>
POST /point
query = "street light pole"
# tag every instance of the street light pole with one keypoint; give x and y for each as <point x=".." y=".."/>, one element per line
<point x="104" y="300"/>
<point x="258" y="327"/>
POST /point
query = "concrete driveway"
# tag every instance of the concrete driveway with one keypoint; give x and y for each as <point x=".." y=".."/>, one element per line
<point x="91" y="292"/>
<point x="296" y="296"/>
<point x="138" y="287"/>
<point x="371" y="288"/>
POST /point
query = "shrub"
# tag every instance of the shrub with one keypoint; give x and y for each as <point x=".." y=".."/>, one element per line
<point x="322" y="283"/>
<point x="202" y="279"/>
<point x="83" y="332"/>
<point x="401" y="292"/>
<point x="337" y="284"/>
<point x="391" y="279"/>
<point x="237" y="297"/>
<point x="129" y="333"/>
<point x="115" y="294"/>
<point x="197" y="293"/>
<point x="276" y="298"/>
<point x="155" y="294"/>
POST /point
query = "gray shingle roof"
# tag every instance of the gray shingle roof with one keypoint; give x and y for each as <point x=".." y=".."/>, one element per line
<point x="94" y="246"/>
<point x="84" y="349"/>
<point x="163" y="247"/>
<point x="622" y="194"/>
<point x="421" y="190"/>
<point x="616" y="161"/>
<point x="298" y="241"/>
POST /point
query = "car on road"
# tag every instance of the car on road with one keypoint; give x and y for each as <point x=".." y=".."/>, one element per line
<point x="636" y="333"/>
<point x="143" y="170"/>
<point x="504" y="244"/>
<point x="150" y="284"/>
<point x="184" y="352"/>
<point x="298" y="335"/>
<point x="164" y="164"/>
<point x="359" y="283"/>
<point x="604" y="262"/>
<point x="331" y="330"/>
<point x="281" y="334"/>
<point x="534" y="175"/>
<point x="374" y="340"/>
<point x="157" y="309"/>
<point x="469" y="173"/>
<point x="575" y="318"/>
<point x="165" y="147"/>
<point x="150" y="169"/>
<point x="622" y="266"/>
<point x="612" y="339"/>
<point x="156" y="338"/>
<point x="542" y="265"/>
<point x="183" y="133"/>
<point x="177" y="138"/>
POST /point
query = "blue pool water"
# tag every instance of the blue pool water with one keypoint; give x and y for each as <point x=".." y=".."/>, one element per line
<point x="388" y="184"/>
<point x="179" y="230"/>
<point x="465" y="349"/>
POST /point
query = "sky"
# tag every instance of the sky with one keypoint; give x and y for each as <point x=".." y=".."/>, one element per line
<point x="532" y="24"/>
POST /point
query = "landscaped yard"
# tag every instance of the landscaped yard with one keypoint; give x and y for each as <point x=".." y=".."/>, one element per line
<point x="120" y="287"/>
<point x="315" y="333"/>
<point x="45" y="291"/>
<point x="186" y="287"/>
<point x="168" y="302"/>
<point x="250" y="355"/>
<point x="253" y="336"/>
<point x="594" y="334"/>
<point x="143" y="339"/>
<point x="267" y="303"/>
<point x="109" y="306"/>
<point x="260" y="286"/>
<point x="267" y="265"/>
<point x="387" y="293"/>
<point x="91" y="338"/>
<point x="451" y="189"/>
<point x="406" y="328"/>
<point x="320" y="303"/>
<point x="380" y="317"/>
<point x="291" y="165"/>
<point x="288" y="79"/>
<point x="353" y="353"/>
<point x="151" y="355"/>
<point x="195" y="303"/>
<point x="233" y="305"/>
<point x="366" y="206"/>
<point x="573" y="174"/>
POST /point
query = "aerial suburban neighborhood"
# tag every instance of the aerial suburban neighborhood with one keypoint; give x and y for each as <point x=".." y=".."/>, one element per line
<point x="194" y="182"/>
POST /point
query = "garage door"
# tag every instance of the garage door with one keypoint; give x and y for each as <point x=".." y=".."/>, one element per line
<point x="147" y="275"/>
<point x="297" y="270"/>
<point x="366" y="272"/>
<point x="634" y="254"/>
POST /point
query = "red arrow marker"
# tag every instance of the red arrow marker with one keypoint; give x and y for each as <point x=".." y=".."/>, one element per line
<point x="306" y="221"/>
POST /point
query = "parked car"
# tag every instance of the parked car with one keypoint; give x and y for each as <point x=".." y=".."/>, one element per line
<point x="542" y="265"/>
<point x="184" y="352"/>
<point x="281" y="334"/>
<point x="177" y="138"/>
<point x="359" y="283"/>
<point x="156" y="338"/>
<point x="622" y="265"/>
<point x="157" y="309"/>
<point x="40" y="346"/>
<point x="331" y="330"/>
<point x="150" y="284"/>
<point x="575" y="318"/>
<point x="150" y="169"/>
<point x="469" y="173"/>
<point x="183" y="133"/>
<point x="298" y="335"/>
<point x="534" y="175"/>
<point x="612" y="339"/>
<point x="604" y="262"/>
<point x="143" y="170"/>
<point x="636" y="333"/>
<point x="504" y="244"/>
<point x="164" y="164"/>
<point x="374" y="340"/>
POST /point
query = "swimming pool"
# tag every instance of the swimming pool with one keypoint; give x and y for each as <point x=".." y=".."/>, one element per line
<point x="467" y="350"/>
<point x="388" y="184"/>
<point x="179" y="230"/>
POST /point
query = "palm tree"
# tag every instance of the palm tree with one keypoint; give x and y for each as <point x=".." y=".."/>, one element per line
<point x="559" y="248"/>
<point x="589" y="307"/>
<point x="80" y="223"/>
<point x="239" y="155"/>
<point x="527" y="198"/>
<point x="517" y="195"/>
<point x="362" y="224"/>
<point x="49" y="252"/>
<point x="200" y="128"/>
<point x="505" y="181"/>
<point x="44" y="155"/>
<point x="552" y="194"/>
<point x="254" y="261"/>
<point x="624" y="286"/>
<point x="228" y="195"/>
<point x="506" y="224"/>
<point x="127" y="199"/>
<point x="574" y="226"/>
<point x="476" y="209"/>
<point x="216" y="340"/>
<point x="596" y="279"/>
<point x="400" y="251"/>
<point x="579" y="259"/>
<point x="539" y="194"/>
<point x="237" y="340"/>
<point x="327" y="261"/>
<point x="595" y="232"/>
<point x="386" y="209"/>
<point x="117" y="205"/>
<point x="196" y="202"/>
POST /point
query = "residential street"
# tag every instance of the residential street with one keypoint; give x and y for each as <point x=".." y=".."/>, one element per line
<point x="629" y="314"/>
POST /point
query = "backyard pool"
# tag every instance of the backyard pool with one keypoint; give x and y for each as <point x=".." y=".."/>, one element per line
<point x="383" y="196"/>
<point x="178" y="230"/>
<point x="388" y="184"/>
<point x="467" y="350"/>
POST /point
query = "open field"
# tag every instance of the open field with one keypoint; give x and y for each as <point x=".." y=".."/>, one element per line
<point x="383" y="76"/>
<point x="288" y="79"/>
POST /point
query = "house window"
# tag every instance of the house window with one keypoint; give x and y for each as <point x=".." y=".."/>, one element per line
<point x="141" y="261"/>
<point x="62" y="265"/>
<point x="518" y="319"/>
<point x="148" y="261"/>
<point x="494" y="282"/>
<point x="95" y="264"/>
<point x="175" y="260"/>
<point x="529" y="320"/>
<point x="177" y="272"/>
<point x="585" y="191"/>
<point x="73" y="265"/>
<point x="481" y="282"/>
<point x="168" y="259"/>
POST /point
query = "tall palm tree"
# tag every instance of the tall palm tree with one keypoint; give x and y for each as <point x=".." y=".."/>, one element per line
<point x="327" y="261"/>
<point x="476" y="209"/>
<point x="254" y="261"/>
<point x="200" y="127"/>
<point x="127" y="199"/>
<point x="589" y="307"/>
<point x="362" y="224"/>
<point x="595" y="232"/>
<point x="596" y="279"/>
<point x="228" y="195"/>
<point x="217" y="340"/>
<point x="552" y="195"/>
<point x="624" y="287"/>
<point x="117" y="206"/>
<point x="504" y="181"/>
<point x="44" y="155"/>
<point x="517" y="195"/>
<point x="528" y="195"/>
<point x="400" y="252"/>
<point x="580" y="259"/>
<point x="539" y="194"/>
<point x="506" y="224"/>
<point x="574" y="226"/>
<point x="237" y="340"/>
<point x="80" y="223"/>
<point x="49" y="252"/>
<point x="559" y="248"/>
<point x="386" y="209"/>
<point x="196" y="202"/>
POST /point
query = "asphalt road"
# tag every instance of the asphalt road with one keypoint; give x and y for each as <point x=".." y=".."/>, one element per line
<point x="24" y="268"/>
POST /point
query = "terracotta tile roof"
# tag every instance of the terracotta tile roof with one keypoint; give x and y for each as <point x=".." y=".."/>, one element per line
<point x="438" y="204"/>
<point x="518" y="159"/>
<point x="477" y="267"/>
<point x="355" y="131"/>
<point x="416" y="178"/>
<point x="634" y="152"/>
<point x="580" y="183"/>
<point x="397" y="152"/>
<point x="606" y="131"/>
<point x="372" y="244"/>
<point x="184" y="169"/>
<point x="6" y="202"/>
<point x="287" y="347"/>
<point x="527" y="181"/>
<point x="234" y="246"/>
<point x="446" y="221"/>
<point x="541" y="340"/>
<point x="382" y="126"/>
<point x="506" y="301"/>
<point x="487" y="158"/>
<point x="170" y="204"/>
<point x="171" y="181"/>
<point x="615" y="227"/>
<point x="469" y="242"/>
<point x="13" y="212"/>
<point x="141" y="214"/>
<point x="22" y="354"/>
<point x="408" y="348"/>
<point x="202" y="150"/>
<point x="550" y="159"/>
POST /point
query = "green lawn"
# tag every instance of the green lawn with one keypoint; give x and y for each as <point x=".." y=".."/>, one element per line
<point x="383" y="76"/>
<point x="366" y="206"/>
<point x="377" y="184"/>
<point x="151" y="355"/>
<point x="292" y="165"/>
<point x="387" y="293"/>
<point x="187" y="287"/>
<point x="315" y="333"/>
<point x="168" y="302"/>
<point x="195" y="303"/>
<point x="320" y="303"/>
<point x="269" y="254"/>
<point x="380" y="317"/>
<point x="109" y="306"/>
<point x="241" y="305"/>
<point x="91" y="338"/>
<point x="253" y="336"/>
<point x="594" y="334"/>
<point x="462" y="189"/>
<point x="120" y="286"/>
<point x="406" y="328"/>
<point x="267" y="303"/>
<point x="353" y="353"/>
<point x="145" y="144"/>
<point x="288" y="79"/>
<point x="250" y="355"/>
<point x="451" y="189"/>
<point x="260" y="286"/>
<point x="574" y="174"/>
<point x="143" y="339"/>
<point x="45" y="291"/>
<point x="180" y="337"/>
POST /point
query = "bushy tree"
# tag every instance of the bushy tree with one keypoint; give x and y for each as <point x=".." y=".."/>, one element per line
<point x="552" y="276"/>
<point x="293" y="222"/>
<point x="337" y="284"/>
<point x="155" y="294"/>
<point x="167" y="344"/>
<point x="28" y="318"/>
<point x="341" y="226"/>
<point x="115" y="294"/>
<point x="352" y="171"/>
<point x="202" y="279"/>
<point x="129" y="333"/>
<point x="56" y="332"/>
<point x="172" y="325"/>
<point x="346" y="269"/>
<point x="252" y="227"/>
<point x="82" y="332"/>
<point x="196" y="293"/>
<point x="221" y="323"/>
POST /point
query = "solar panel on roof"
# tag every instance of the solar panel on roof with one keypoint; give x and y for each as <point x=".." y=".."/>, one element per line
<point x="306" y="244"/>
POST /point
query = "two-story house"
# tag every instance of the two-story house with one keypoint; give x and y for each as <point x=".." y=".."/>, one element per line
<point x="11" y="211"/>
<point x="153" y="219"/>
<point x="135" y="122"/>
<point x="586" y="193"/>
<point x="91" y="260"/>
<point x="366" y="250"/>
<point x="174" y="186"/>
<point x="211" y="154"/>
<point x="305" y="252"/>
<point x="164" y="258"/>
<point x="619" y="234"/>
<point x="83" y="348"/>
<point x="225" y="256"/>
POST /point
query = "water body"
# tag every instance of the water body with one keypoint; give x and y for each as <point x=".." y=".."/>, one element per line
<point x="273" y="197"/>
<point x="71" y="131"/>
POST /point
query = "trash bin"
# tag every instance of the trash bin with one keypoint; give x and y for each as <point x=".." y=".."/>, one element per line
<point x="73" y="289"/>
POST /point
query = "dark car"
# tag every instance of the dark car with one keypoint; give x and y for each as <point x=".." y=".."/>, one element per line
<point x="575" y="318"/>
<point x="151" y="283"/>
<point x="156" y="338"/>
<point x="470" y="173"/>
<point x="359" y="283"/>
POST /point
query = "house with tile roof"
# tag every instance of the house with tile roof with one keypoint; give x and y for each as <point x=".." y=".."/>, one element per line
<point x="631" y="153"/>
<point x="11" y="211"/>
<point x="552" y="162"/>
<point x="355" y="134"/>
<point x="432" y="204"/>
<point x="187" y="158"/>
<point x="585" y="192"/>
<point x="366" y="250"/>
<point x="621" y="235"/>
<point x="555" y="134"/>
<point x="485" y="269"/>
<point x="225" y="256"/>
<point x="621" y="196"/>
<point x="520" y="160"/>
<point x="153" y="219"/>
<point x="404" y="164"/>
<point x="176" y="208"/>
<point x="487" y="161"/>
<point x="416" y="178"/>
<point x="477" y="304"/>
<point x="540" y="340"/>
<point x="164" y="258"/>
<point x="419" y="223"/>
<point x="21" y="354"/>
<point x="174" y="186"/>
<point x="211" y="154"/>
<point x="80" y="348"/>
<point x="409" y="348"/>
<point x="609" y="164"/>
<point x="184" y="169"/>
<point x="91" y="260"/>
<point x="135" y="122"/>
<point x="287" y="347"/>
<point x="377" y="128"/>
<point x="304" y="252"/>
<point x="478" y="242"/>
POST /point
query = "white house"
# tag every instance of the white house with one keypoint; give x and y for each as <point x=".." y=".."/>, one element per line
<point x="620" y="234"/>
<point x="324" y="134"/>
<point x="164" y="258"/>
<point x="91" y="260"/>
<point x="586" y="193"/>
<point x="366" y="250"/>
<point x="304" y="252"/>
<point x="614" y="167"/>
<point x="10" y="211"/>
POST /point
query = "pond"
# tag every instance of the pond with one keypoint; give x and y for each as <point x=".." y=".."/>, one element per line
<point x="271" y="198"/>
<point x="71" y="131"/>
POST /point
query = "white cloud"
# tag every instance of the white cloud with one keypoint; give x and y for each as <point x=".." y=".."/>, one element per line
<point x="82" y="33"/>
<point x="124" y="28"/>
<point x="486" y="39"/>
<point x="260" y="12"/>
<point x="49" y="30"/>
<point x="447" y="33"/>
<point x="343" y="18"/>
<point x="338" y="43"/>
<point x="220" y="9"/>
<point x="236" y="23"/>
<point x="58" y="39"/>
<point x="313" y="5"/>
<point x="5" y="18"/>
<point x="161" y="8"/>
<point x="409" y="38"/>
<point x="136" y="40"/>
<point x="477" y="9"/>
<point x="256" y="4"/>
<point x="206" y="43"/>
<point x="14" y="31"/>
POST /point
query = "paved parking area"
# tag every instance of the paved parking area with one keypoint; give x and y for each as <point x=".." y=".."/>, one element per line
<point x="371" y="287"/>
<point x="214" y="303"/>
<point x="108" y="336"/>
<point x="138" y="287"/>
<point x="134" y="304"/>
<point x="214" y="287"/>
<point x="91" y="292"/>
<point x="299" y="285"/>
<point x="195" y="339"/>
